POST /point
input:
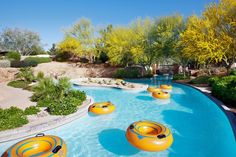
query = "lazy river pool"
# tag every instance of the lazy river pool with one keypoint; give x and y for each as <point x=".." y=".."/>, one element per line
<point x="200" y="128"/>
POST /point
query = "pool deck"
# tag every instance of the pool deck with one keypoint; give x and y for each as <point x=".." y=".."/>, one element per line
<point x="43" y="122"/>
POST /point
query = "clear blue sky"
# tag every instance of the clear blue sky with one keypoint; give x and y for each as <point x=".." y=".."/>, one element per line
<point x="49" y="17"/>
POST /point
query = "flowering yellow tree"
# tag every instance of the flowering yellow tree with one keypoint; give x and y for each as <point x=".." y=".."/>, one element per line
<point x="212" y="37"/>
<point x="125" y="45"/>
<point x="70" y="45"/>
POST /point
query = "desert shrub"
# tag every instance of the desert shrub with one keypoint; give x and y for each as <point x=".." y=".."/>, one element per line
<point x="31" y="110"/>
<point x="26" y="74"/>
<point x="103" y="57"/>
<point x="5" y="63"/>
<point x="58" y="97"/>
<point x="64" y="106"/>
<point x="21" y="64"/>
<point x="40" y="75"/>
<point x="38" y="60"/>
<point x="45" y="88"/>
<point x="18" y="84"/>
<point x="127" y="73"/>
<point x="200" y="80"/>
<point x="62" y="56"/>
<point x="232" y="72"/>
<point x="181" y="77"/>
<point x="12" y="118"/>
<point x="212" y="80"/>
<point x="13" y="56"/>
<point x="225" y="89"/>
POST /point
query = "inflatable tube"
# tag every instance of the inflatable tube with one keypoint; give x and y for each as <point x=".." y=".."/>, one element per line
<point x="166" y="87"/>
<point x="102" y="108"/>
<point x="149" y="136"/>
<point x="43" y="146"/>
<point x="152" y="89"/>
<point x="161" y="95"/>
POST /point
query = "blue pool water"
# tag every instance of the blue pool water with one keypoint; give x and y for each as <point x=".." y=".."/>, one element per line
<point x="199" y="127"/>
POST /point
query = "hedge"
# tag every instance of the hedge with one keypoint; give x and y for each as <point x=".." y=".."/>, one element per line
<point x="201" y="80"/>
<point x="225" y="89"/>
<point x="181" y="77"/>
<point x="127" y="73"/>
<point x="13" y="56"/>
<point x="38" y="60"/>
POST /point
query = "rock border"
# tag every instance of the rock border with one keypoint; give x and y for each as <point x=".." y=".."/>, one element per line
<point x="139" y="86"/>
<point x="25" y="131"/>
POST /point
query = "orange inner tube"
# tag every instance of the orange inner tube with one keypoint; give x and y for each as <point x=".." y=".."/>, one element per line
<point x="161" y="95"/>
<point x="149" y="136"/>
<point x="102" y="108"/>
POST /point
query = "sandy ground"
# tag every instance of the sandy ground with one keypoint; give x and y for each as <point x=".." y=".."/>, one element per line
<point x="73" y="70"/>
<point x="10" y="96"/>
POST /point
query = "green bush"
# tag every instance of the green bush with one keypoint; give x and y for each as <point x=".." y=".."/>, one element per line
<point x="37" y="60"/>
<point x="200" y="80"/>
<point x="40" y="75"/>
<point x="65" y="106"/>
<point x="12" y="118"/>
<point x="127" y="73"/>
<point x="58" y="97"/>
<point x="18" y="84"/>
<point x="21" y="64"/>
<point x="13" y="56"/>
<point x="26" y="74"/>
<point x="62" y="56"/>
<point x="31" y="110"/>
<point x="232" y="72"/>
<point x="212" y="80"/>
<point x="103" y="57"/>
<point x="181" y="77"/>
<point x="225" y="89"/>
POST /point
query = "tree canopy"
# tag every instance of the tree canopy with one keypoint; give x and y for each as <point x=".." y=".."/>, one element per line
<point x="20" y="40"/>
<point x="209" y="38"/>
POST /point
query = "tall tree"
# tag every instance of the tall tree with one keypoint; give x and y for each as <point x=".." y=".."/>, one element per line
<point x="162" y="39"/>
<point x="211" y="38"/>
<point x="23" y="41"/>
<point x="70" y="45"/>
<point x="83" y="31"/>
<point x="125" y="45"/>
<point x="101" y="42"/>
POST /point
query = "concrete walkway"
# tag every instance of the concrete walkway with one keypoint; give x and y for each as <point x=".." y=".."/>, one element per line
<point x="17" y="97"/>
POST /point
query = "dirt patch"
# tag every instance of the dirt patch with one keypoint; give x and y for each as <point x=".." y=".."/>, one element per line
<point x="7" y="74"/>
<point x="75" y="70"/>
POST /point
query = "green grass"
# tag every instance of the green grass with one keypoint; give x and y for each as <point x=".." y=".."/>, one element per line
<point x="38" y="60"/>
<point x="181" y="77"/>
<point x="12" y="118"/>
<point x="18" y="84"/>
<point x="201" y="80"/>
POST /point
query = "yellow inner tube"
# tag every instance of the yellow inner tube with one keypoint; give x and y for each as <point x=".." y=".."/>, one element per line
<point x="152" y="89"/>
<point x="149" y="136"/>
<point x="102" y="108"/>
<point x="165" y="86"/>
<point x="161" y="95"/>
<point x="42" y="146"/>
